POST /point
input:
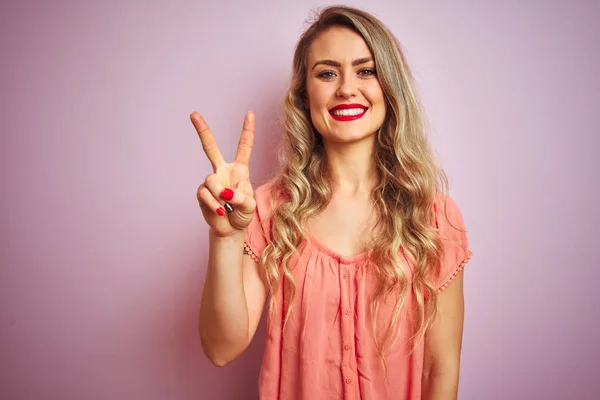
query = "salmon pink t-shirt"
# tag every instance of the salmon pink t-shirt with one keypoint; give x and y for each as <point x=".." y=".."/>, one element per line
<point x="327" y="350"/>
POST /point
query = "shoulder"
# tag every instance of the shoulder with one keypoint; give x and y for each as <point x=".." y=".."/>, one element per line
<point x="446" y="213"/>
<point x="264" y="191"/>
<point x="451" y="228"/>
<point x="259" y="229"/>
<point x="265" y="196"/>
<point x="449" y="221"/>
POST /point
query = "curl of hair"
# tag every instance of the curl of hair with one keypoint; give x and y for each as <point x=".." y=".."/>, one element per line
<point x="409" y="180"/>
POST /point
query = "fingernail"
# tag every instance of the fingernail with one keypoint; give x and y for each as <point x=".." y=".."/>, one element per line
<point x="228" y="207"/>
<point x="221" y="211"/>
<point x="227" y="194"/>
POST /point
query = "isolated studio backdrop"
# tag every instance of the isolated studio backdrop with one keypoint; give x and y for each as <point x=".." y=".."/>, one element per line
<point x="103" y="248"/>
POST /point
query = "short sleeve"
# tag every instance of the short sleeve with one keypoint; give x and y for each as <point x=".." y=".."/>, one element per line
<point x="258" y="231"/>
<point x="456" y="254"/>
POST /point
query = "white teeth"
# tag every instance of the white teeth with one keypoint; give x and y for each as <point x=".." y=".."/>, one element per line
<point x="348" y="112"/>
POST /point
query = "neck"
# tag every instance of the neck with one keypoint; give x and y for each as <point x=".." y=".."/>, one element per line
<point x="351" y="166"/>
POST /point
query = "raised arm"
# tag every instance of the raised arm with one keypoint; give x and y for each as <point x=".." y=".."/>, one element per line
<point x="234" y="294"/>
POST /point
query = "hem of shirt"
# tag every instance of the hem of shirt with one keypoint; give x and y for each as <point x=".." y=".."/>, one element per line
<point x="251" y="252"/>
<point x="457" y="270"/>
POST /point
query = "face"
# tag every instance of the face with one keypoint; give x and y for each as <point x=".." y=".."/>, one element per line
<point x="344" y="95"/>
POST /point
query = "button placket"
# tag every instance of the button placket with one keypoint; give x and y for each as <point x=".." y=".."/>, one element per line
<point x="347" y="365"/>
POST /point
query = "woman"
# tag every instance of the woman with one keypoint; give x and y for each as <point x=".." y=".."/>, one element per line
<point x="355" y="243"/>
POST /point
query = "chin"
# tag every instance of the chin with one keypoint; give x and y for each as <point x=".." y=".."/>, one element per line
<point x="347" y="137"/>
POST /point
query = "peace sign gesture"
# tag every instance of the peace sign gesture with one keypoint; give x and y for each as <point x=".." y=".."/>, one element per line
<point x="229" y="186"/>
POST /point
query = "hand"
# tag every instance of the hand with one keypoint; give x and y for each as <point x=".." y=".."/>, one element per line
<point x="229" y="182"/>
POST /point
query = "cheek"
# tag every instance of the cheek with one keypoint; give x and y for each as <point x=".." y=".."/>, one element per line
<point x="314" y="105"/>
<point x="376" y="98"/>
<point x="374" y="94"/>
<point x="318" y="101"/>
<point x="318" y="97"/>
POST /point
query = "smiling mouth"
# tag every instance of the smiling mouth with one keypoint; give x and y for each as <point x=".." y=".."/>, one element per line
<point x="347" y="114"/>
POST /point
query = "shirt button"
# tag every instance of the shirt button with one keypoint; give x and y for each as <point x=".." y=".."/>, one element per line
<point x="347" y="347"/>
<point x="345" y="276"/>
<point x="348" y="311"/>
<point x="348" y="381"/>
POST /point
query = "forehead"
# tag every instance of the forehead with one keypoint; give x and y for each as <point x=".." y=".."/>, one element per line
<point x="338" y="44"/>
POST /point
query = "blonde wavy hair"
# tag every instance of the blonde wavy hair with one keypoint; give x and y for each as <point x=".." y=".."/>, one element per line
<point x="409" y="180"/>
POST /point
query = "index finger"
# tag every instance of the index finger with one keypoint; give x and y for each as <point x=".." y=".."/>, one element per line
<point x="209" y="144"/>
<point x="246" y="140"/>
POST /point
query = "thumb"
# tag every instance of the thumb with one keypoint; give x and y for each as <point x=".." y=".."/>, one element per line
<point x="246" y="188"/>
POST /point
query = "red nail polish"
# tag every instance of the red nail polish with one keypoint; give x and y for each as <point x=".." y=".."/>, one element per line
<point x="221" y="211"/>
<point x="227" y="194"/>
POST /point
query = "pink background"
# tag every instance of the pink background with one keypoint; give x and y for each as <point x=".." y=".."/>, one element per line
<point x="103" y="248"/>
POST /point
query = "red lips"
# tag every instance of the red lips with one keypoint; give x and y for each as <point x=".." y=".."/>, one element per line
<point x="345" y="118"/>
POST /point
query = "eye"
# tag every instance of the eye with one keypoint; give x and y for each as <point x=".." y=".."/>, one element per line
<point x="326" y="74"/>
<point x="367" y="72"/>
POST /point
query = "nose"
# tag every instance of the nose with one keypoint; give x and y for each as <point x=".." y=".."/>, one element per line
<point x="347" y="87"/>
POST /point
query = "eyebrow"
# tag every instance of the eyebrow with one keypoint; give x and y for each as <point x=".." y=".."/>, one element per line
<point x="337" y="64"/>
